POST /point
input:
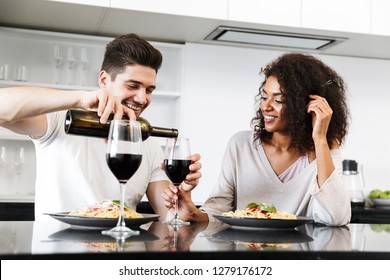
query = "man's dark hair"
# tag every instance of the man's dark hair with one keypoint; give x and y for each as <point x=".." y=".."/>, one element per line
<point x="127" y="50"/>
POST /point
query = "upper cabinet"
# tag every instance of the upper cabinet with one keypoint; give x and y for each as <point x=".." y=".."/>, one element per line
<point x="364" y="24"/>
<point x="216" y="9"/>
<point x="380" y="19"/>
<point x="276" y="12"/>
<point x="100" y="3"/>
<point x="336" y="15"/>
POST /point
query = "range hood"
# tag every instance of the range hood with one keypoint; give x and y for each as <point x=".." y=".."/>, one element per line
<point x="264" y="38"/>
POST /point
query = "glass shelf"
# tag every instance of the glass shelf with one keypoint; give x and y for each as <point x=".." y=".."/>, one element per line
<point x="4" y="83"/>
<point x="35" y="50"/>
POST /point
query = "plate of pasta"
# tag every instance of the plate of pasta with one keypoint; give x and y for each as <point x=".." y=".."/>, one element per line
<point x="261" y="216"/>
<point x="102" y="215"/>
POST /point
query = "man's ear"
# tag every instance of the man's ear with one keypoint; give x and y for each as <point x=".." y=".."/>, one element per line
<point x="103" y="78"/>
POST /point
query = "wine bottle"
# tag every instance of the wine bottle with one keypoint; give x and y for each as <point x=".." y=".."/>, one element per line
<point x="87" y="123"/>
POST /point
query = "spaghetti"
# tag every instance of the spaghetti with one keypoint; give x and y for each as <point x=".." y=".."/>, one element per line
<point x="260" y="211"/>
<point x="105" y="209"/>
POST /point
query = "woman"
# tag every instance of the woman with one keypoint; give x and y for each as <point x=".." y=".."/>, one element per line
<point x="291" y="159"/>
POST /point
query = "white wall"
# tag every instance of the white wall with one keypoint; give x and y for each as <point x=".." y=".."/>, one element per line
<point x="369" y="97"/>
<point x="219" y="86"/>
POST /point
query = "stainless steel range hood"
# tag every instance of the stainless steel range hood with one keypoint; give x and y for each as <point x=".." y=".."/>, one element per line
<point x="272" y="39"/>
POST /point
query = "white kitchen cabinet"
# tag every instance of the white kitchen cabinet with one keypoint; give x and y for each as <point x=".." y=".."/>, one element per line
<point x="34" y="50"/>
<point x="100" y="3"/>
<point x="380" y="20"/>
<point x="277" y="12"/>
<point x="346" y="16"/>
<point x="216" y="9"/>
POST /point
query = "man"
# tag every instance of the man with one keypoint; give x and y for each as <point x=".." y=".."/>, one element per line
<point x="71" y="170"/>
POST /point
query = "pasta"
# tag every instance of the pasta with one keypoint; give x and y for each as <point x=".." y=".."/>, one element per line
<point x="263" y="246"/>
<point x="105" y="209"/>
<point x="259" y="211"/>
<point x="106" y="247"/>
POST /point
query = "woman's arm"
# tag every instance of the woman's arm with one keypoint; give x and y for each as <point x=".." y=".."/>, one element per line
<point x="321" y="115"/>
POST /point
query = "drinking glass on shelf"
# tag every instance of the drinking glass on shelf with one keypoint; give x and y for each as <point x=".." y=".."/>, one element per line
<point x="176" y="166"/>
<point x="4" y="158"/>
<point x="4" y="72"/>
<point x="70" y="58"/>
<point x="124" y="155"/>
<point x="21" y="73"/>
<point x="58" y="60"/>
<point x="84" y="63"/>
<point x="19" y="160"/>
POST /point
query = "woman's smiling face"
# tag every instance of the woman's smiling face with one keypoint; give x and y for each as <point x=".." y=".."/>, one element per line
<point x="272" y="105"/>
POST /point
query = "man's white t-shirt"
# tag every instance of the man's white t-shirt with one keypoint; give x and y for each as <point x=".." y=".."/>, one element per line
<point x="72" y="171"/>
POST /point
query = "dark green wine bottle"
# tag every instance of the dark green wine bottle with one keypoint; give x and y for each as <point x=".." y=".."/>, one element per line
<point x="86" y="123"/>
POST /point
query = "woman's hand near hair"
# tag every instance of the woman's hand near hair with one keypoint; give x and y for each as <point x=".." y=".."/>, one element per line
<point x="321" y="114"/>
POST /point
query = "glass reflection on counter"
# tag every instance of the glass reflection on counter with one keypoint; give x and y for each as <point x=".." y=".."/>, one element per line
<point x="94" y="242"/>
<point x="174" y="239"/>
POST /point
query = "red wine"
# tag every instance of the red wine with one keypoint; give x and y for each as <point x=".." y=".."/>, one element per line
<point x="123" y="166"/>
<point x="176" y="169"/>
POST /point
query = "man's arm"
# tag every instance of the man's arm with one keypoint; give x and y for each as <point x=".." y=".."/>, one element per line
<point x="24" y="109"/>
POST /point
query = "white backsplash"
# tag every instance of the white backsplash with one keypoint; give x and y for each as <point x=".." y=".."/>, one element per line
<point x="17" y="182"/>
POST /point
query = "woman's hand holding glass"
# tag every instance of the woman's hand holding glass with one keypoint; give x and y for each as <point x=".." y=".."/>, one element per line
<point x="172" y="193"/>
<point x="182" y="169"/>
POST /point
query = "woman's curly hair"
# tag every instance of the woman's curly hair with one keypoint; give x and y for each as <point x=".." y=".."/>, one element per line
<point x="300" y="75"/>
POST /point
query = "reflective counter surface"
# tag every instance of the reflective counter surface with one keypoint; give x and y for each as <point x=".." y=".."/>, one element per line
<point x="54" y="239"/>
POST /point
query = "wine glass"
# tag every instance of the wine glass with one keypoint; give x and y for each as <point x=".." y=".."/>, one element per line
<point x="5" y="158"/>
<point x="58" y="60"/>
<point x="84" y="63"/>
<point x="176" y="166"/>
<point x="124" y="155"/>
<point x="71" y="59"/>
<point x="19" y="160"/>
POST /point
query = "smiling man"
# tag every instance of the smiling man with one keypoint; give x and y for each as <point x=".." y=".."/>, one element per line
<point x="71" y="170"/>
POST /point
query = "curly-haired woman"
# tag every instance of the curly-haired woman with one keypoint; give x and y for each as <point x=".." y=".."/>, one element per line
<point x="291" y="159"/>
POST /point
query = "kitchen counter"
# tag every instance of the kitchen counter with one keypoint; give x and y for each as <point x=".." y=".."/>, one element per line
<point x="378" y="215"/>
<point x="13" y="210"/>
<point x="56" y="240"/>
<point x="16" y="210"/>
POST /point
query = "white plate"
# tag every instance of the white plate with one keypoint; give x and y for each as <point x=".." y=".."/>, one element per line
<point x="255" y="223"/>
<point x="92" y="223"/>
<point x="381" y="201"/>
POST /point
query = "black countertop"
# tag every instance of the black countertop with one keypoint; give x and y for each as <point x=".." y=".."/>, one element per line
<point x="56" y="240"/>
<point x="24" y="211"/>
